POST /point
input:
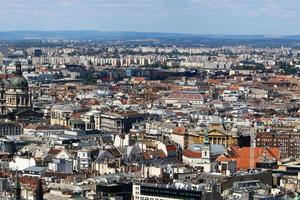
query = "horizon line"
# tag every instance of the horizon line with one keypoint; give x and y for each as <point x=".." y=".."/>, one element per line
<point x="153" y="32"/>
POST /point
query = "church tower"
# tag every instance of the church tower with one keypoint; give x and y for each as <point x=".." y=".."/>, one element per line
<point x="206" y="149"/>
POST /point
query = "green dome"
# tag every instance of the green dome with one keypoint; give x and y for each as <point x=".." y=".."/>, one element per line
<point x="18" y="81"/>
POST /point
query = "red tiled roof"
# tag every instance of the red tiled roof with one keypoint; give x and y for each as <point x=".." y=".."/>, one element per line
<point x="171" y="148"/>
<point x="54" y="151"/>
<point x="92" y="102"/>
<point x="242" y="155"/>
<point x="154" y="154"/>
<point x="185" y="96"/>
<point x="234" y="88"/>
<point x="191" y="154"/>
<point x="179" y="130"/>
<point x="29" y="181"/>
<point x="214" y="81"/>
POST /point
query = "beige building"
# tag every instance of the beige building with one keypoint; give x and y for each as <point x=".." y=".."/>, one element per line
<point x="60" y="114"/>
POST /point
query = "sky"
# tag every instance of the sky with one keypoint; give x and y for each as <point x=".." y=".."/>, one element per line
<point x="268" y="17"/>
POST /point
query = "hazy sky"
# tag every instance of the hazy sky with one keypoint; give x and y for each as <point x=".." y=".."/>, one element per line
<point x="272" y="17"/>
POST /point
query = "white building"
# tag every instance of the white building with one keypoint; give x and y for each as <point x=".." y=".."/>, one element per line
<point x="21" y="163"/>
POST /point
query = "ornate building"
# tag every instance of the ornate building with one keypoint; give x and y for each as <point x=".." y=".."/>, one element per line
<point x="17" y="94"/>
<point x="217" y="135"/>
<point x="15" y="100"/>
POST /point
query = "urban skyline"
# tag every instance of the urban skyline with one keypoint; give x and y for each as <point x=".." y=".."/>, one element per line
<point x="149" y="100"/>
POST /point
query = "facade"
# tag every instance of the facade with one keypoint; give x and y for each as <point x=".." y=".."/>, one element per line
<point x="61" y="165"/>
<point x="287" y="142"/>
<point x="162" y="192"/>
<point x="60" y="115"/>
<point x="122" y="191"/>
<point x="84" y="157"/>
<point x="180" y="136"/>
<point x="217" y="135"/>
<point x="10" y="128"/>
<point x="287" y="174"/>
<point x="192" y="158"/>
<point x="117" y="122"/>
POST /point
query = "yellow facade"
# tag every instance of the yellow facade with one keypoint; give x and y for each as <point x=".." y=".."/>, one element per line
<point x="217" y="135"/>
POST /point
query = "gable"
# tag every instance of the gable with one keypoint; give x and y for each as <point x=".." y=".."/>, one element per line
<point x="63" y="155"/>
<point x="216" y="132"/>
<point x="104" y="155"/>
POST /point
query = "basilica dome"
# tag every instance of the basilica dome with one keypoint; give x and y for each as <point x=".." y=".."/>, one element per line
<point x="18" y="81"/>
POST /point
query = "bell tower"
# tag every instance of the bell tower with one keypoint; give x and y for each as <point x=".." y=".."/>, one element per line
<point x="206" y="149"/>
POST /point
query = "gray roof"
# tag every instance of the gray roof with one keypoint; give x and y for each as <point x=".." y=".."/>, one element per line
<point x="215" y="148"/>
<point x="35" y="169"/>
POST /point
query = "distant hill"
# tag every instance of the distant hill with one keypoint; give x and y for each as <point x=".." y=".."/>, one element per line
<point x="101" y="35"/>
<point x="85" y="35"/>
<point x="28" y="38"/>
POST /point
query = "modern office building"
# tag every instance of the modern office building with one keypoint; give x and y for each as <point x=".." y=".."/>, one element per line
<point x="165" y="192"/>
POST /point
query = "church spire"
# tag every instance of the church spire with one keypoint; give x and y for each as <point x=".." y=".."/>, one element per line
<point x="18" y="68"/>
<point x="39" y="191"/>
<point x="17" y="189"/>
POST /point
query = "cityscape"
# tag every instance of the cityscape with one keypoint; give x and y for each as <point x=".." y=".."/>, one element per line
<point x="148" y="114"/>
